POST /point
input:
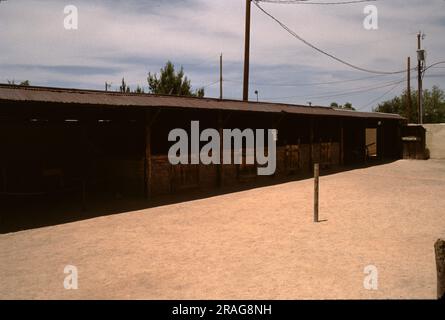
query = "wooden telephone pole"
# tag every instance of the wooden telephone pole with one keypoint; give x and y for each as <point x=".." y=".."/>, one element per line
<point x="419" y="78"/>
<point x="408" y="91"/>
<point x="247" y="52"/>
<point x="221" y="76"/>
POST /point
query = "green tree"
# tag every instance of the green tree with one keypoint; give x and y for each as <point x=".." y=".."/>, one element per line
<point x="23" y="83"/>
<point x="139" y="89"/>
<point x="347" y="106"/>
<point x="170" y="82"/>
<point x="124" y="88"/>
<point x="433" y="103"/>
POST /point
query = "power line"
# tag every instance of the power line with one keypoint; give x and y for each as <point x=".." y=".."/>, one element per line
<point x="397" y="85"/>
<point x="210" y="84"/>
<point x="433" y="65"/>
<point x="334" y="94"/>
<point x="311" y="2"/>
<point x="307" y="83"/>
<point x="380" y="97"/>
<point x="358" y="91"/>
<point x="320" y="50"/>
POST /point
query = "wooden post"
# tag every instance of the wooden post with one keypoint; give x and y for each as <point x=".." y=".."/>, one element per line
<point x="439" y="248"/>
<point x="316" y="189"/>
<point x="311" y="139"/>
<point x="419" y="81"/>
<point x="147" y="157"/>
<point x="84" y="163"/>
<point x="342" y="143"/>
<point x="221" y="150"/>
<point x="383" y="140"/>
<point x="247" y="52"/>
<point x="221" y="76"/>
<point x="408" y="91"/>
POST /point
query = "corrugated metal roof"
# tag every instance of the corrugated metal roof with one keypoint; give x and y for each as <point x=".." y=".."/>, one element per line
<point x="103" y="98"/>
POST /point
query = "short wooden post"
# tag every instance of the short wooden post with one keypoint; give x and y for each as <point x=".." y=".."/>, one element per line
<point x="316" y="189"/>
<point x="439" y="248"/>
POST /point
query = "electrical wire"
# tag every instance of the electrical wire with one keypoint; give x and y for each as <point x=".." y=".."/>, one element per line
<point x="311" y="2"/>
<point x="320" y="50"/>
<point x="380" y="97"/>
<point x="334" y="94"/>
<point x="306" y="83"/>
<point x="433" y="65"/>
<point x="210" y="84"/>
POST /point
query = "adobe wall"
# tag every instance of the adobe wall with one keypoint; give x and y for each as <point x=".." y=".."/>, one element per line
<point x="435" y="140"/>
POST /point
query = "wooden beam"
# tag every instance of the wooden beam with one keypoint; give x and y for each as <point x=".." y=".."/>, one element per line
<point x="147" y="156"/>
<point x="84" y="179"/>
<point x="311" y="141"/>
<point x="220" y="167"/>
<point x="342" y="142"/>
<point x="382" y="139"/>
<point x="316" y="190"/>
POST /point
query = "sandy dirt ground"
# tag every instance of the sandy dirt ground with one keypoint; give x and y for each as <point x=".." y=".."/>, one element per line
<point x="255" y="244"/>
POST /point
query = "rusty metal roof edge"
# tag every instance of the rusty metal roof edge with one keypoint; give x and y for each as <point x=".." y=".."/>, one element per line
<point x="283" y="107"/>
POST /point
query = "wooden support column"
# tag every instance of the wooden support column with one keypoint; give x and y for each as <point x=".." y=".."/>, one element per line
<point x="363" y="140"/>
<point x="84" y="163"/>
<point x="316" y="190"/>
<point x="342" y="142"/>
<point x="150" y="118"/>
<point x="147" y="157"/>
<point x="311" y="141"/>
<point x="275" y="125"/>
<point x="382" y="139"/>
<point x="220" y="167"/>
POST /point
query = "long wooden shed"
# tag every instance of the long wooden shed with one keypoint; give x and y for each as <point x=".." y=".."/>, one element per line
<point x="55" y="139"/>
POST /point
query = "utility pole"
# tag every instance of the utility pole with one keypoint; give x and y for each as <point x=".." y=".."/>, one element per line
<point x="247" y="52"/>
<point x="408" y="91"/>
<point x="221" y="76"/>
<point x="420" y="58"/>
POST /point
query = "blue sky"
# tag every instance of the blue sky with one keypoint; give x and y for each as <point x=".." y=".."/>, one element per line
<point x="130" y="38"/>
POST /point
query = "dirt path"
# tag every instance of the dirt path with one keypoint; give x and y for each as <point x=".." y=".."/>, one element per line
<point x="256" y="244"/>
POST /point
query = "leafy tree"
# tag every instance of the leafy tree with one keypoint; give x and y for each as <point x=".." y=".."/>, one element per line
<point x="170" y="82"/>
<point x="347" y="106"/>
<point x="139" y="89"/>
<point x="433" y="104"/>
<point x="124" y="88"/>
<point x="23" y="83"/>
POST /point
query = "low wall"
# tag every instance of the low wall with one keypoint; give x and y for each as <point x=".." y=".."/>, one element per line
<point x="435" y="140"/>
